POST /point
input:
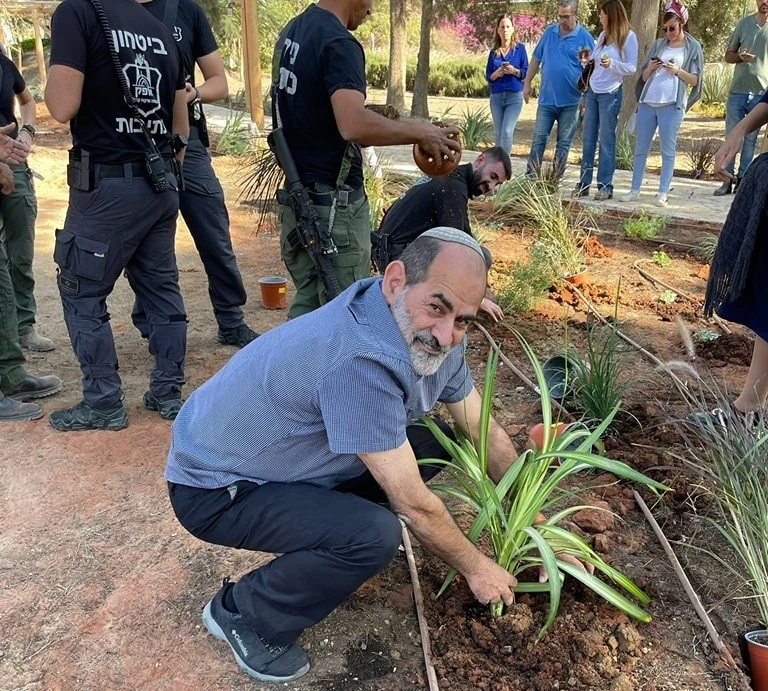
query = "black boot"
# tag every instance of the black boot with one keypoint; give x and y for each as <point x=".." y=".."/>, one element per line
<point x="724" y="189"/>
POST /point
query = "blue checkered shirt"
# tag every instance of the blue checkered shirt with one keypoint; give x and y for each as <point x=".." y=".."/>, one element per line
<point x="300" y="403"/>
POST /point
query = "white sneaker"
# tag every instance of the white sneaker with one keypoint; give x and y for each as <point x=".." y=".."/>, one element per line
<point x="630" y="196"/>
<point x="661" y="200"/>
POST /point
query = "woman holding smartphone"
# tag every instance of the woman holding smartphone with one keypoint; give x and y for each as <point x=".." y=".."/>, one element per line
<point x="615" y="56"/>
<point x="674" y="64"/>
<point x="505" y="71"/>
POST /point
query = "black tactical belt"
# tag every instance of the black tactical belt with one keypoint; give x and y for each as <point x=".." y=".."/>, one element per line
<point x="134" y="169"/>
<point x="344" y="197"/>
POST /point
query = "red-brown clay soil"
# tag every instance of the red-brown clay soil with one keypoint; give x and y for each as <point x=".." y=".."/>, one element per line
<point x="101" y="589"/>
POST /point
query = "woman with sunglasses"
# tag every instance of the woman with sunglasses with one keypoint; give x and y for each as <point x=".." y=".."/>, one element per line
<point x="615" y="56"/>
<point x="674" y="64"/>
<point x="505" y="72"/>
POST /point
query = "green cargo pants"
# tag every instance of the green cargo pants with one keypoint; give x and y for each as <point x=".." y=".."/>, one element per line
<point x="11" y="358"/>
<point x="352" y="234"/>
<point x="18" y="212"/>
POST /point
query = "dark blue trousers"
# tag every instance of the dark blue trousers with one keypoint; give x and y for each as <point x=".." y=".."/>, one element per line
<point x="122" y="224"/>
<point x="330" y="540"/>
<point x="202" y="205"/>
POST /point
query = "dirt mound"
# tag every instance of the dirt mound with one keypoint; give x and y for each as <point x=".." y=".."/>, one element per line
<point x="729" y="349"/>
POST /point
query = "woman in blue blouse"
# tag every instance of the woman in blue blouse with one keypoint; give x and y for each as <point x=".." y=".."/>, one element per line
<point x="505" y="72"/>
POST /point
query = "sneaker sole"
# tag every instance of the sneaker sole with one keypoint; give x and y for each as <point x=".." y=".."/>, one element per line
<point x="215" y="630"/>
<point x="24" y="417"/>
<point x="24" y="396"/>
<point x="108" y="425"/>
<point x="38" y="349"/>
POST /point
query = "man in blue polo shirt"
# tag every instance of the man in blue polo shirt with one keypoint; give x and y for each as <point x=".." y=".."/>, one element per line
<point x="292" y="447"/>
<point x="559" y="51"/>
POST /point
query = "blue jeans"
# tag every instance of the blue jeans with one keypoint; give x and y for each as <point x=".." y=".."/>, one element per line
<point x="505" y="110"/>
<point x="737" y="108"/>
<point x="667" y="119"/>
<point x="567" y="117"/>
<point x="600" y="116"/>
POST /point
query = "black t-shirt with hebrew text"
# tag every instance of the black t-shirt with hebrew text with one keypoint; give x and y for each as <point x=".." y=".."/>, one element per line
<point x="105" y="125"/>
<point x="191" y="30"/>
<point x="318" y="58"/>
<point x="11" y="84"/>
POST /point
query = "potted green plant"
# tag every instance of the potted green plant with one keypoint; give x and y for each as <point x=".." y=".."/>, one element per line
<point x="509" y="512"/>
<point x="730" y="451"/>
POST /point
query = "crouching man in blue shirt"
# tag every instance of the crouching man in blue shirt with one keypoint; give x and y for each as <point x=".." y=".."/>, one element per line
<point x="295" y="444"/>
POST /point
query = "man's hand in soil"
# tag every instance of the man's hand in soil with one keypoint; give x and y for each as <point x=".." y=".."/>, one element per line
<point x="6" y="179"/>
<point x="490" y="583"/>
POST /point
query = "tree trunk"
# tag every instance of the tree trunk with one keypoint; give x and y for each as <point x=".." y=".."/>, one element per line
<point x="39" y="53"/>
<point x="397" y="39"/>
<point x="645" y="23"/>
<point x="420" y="105"/>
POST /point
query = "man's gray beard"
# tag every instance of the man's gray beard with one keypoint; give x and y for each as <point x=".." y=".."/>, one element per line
<point x="424" y="364"/>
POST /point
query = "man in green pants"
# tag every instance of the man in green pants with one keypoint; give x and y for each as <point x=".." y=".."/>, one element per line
<point x="16" y="386"/>
<point x="18" y="210"/>
<point x="319" y="77"/>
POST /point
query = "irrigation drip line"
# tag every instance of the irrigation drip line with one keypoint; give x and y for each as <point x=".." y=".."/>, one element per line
<point x="689" y="591"/>
<point x="521" y="375"/>
<point x="418" y="600"/>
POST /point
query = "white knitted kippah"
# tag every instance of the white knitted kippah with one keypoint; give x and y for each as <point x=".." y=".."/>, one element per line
<point x="448" y="234"/>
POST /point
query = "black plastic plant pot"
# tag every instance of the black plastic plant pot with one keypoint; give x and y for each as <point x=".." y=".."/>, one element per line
<point x="557" y="371"/>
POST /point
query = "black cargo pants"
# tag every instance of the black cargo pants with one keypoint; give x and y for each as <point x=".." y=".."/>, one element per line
<point x="121" y="224"/>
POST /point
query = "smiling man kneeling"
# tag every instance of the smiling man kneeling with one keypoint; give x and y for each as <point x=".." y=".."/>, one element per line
<point x="304" y="445"/>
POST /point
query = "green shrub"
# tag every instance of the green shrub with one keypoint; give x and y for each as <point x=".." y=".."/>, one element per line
<point x="624" y="152"/>
<point x="234" y="139"/>
<point x="716" y="84"/>
<point x="642" y="226"/>
<point x="456" y="77"/>
<point x="598" y="386"/>
<point x="476" y="129"/>
<point x="705" y="248"/>
<point x="524" y="283"/>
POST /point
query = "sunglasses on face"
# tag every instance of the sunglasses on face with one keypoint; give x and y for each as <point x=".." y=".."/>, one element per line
<point x="670" y="29"/>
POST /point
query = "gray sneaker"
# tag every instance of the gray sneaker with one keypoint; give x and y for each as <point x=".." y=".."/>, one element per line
<point x="255" y="656"/>
<point x="82" y="417"/>
<point x="35" y="342"/>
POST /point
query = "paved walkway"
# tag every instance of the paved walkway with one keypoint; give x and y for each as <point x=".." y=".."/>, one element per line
<point x="689" y="200"/>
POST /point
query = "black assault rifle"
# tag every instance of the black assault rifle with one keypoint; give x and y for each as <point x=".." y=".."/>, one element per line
<point x="308" y="234"/>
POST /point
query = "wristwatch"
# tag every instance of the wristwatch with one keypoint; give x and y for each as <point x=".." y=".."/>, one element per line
<point x="29" y="128"/>
<point x="196" y="99"/>
<point x="178" y="143"/>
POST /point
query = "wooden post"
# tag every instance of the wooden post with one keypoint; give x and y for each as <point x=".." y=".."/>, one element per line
<point x="39" y="53"/>
<point x="252" y="66"/>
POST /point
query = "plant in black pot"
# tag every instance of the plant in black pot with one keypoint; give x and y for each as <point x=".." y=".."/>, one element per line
<point x="730" y="450"/>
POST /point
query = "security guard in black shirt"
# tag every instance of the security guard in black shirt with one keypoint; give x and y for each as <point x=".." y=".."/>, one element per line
<point x="201" y="202"/>
<point x="123" y="198"/>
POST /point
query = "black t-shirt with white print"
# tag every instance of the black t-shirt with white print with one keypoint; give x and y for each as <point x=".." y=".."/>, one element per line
<point x="192" y="32"/>
<point x="318" y="57"/>
<point x="11" y="84"/>
<point x="105" y="125"/>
